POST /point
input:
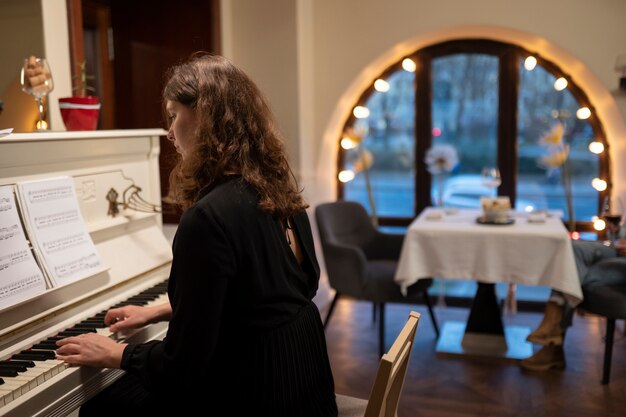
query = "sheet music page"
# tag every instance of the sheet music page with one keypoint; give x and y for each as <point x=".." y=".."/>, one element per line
<point x="20" y="276"/>
<point x="55" y="224"/>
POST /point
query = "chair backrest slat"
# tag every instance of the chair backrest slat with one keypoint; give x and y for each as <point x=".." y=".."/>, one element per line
<point x="385" y="395"/>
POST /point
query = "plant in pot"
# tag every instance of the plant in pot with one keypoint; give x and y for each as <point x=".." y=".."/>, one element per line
<point x="80" y="112"/>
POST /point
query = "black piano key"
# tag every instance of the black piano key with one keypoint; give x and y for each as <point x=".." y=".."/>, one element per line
<point x="45" y="346"/>
<point x="146" y="297"/>
<point x="8" y="372"/>
<point x="28" y="357"/>
<point x="99" y="323"/>
<point x="17" y="368"/>
<point x="28" y="364"/>
<point x="53" y="339"/>
<point x="70" y="332"/>
<point x="50" y="354"/>
<point x="84" y="329"/>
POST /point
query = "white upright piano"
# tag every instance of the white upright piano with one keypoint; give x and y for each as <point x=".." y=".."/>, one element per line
<point x="131" y="245"/>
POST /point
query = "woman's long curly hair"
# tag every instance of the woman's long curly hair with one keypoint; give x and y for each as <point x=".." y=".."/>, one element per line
<point x="236" y="133"/>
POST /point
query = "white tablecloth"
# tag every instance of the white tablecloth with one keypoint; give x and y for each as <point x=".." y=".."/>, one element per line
<point x="456" y="247"/>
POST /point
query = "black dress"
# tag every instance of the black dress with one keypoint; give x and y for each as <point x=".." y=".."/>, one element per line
<point x="245" y="335"/>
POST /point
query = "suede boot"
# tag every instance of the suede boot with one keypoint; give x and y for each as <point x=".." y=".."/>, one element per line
<point x="549" y="331"/>
<point x="548" y="357"/>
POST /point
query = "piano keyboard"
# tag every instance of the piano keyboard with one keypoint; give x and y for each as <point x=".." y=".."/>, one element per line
<point x="33" y="367"/>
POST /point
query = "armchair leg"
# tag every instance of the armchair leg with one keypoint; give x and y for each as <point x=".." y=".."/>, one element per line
<point x="608" y="350"/>
<point x="331" y="308"/>
<point x="381" y="329"/>
<point x="429" y="305"/>
<point x="374" y="307"/>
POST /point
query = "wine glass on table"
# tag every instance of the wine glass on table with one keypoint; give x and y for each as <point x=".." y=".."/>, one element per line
<point x="613" y="216"/>
<point x="36" y="80"/>
<point x="490" y="177"/>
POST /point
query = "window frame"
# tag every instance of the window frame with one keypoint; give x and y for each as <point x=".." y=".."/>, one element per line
<point x="509" y="56"/>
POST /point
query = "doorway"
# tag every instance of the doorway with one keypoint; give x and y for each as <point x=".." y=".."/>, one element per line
<point x="128" y="46"/>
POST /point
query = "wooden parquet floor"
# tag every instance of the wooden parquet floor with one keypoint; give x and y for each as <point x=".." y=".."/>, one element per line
<point x="444" y="386"/>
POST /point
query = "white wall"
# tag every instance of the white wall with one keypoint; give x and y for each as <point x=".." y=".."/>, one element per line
<point x="346" y="43"/>
<point x="32" y="27"/>
<point x="21" y="35"/>
<point x="57" y="50"/>
<point x="260" y="37"/>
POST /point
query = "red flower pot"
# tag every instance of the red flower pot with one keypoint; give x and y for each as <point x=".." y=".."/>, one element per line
<point x="80" y="113"/>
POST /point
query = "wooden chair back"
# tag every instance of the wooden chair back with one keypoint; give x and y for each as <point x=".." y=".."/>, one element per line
<point x="385" y="395"/>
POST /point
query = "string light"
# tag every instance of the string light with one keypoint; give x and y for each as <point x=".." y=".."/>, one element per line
<point x="346" y="175"/>
<point x="598" y="184"/>
<point x="560" y="84"/>
<point x="583" y="113"/>
<point x="599" y="224"/>
<point x="361" y="112"/>
<point x="596" y="147"/>
<point x="381" y="85"/>
<point x="409" y="65"/>
<point x="347" y="143"/>
<point x="530" y="63"/>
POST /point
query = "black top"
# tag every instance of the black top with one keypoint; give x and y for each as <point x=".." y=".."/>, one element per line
<point x="244" y="330"/>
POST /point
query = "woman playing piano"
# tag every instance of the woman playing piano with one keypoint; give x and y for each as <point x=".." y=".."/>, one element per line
<point x="243" y="330"/>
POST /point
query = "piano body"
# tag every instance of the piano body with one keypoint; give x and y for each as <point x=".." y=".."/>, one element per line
<point x="131" y="245"/>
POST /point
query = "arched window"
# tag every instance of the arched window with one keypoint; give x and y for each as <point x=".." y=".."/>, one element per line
<point x="497" y="108"/>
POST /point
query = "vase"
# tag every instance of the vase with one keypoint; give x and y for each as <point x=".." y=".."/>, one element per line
<point x="80" y="113"/>
<point x="440" y="180"/>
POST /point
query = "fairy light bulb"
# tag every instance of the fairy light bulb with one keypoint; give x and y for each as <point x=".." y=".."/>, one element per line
<point x="346" y="175"/>
<point x="361" y="112"/>
<point x="347" y="143"/>
<point x="530" y="63"/>
<point x="560" y="84"/>
<point x="599" y="225"/>
<point x="583" y="113"/>
<point x="598" y="184"/>
<point x="409" y="65"/>
<point x="381" y="85"/>
<point x="596" y="147"/>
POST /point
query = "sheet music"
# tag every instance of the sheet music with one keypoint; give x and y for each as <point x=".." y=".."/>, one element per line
<point x="54" y="223"/>
<point x="20" y="276"/>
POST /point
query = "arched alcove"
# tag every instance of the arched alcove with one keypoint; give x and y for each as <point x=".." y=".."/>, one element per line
<point x="600" y="97"/>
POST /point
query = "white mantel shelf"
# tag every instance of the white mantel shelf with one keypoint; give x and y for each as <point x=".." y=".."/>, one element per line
<point x="78" y="135"/>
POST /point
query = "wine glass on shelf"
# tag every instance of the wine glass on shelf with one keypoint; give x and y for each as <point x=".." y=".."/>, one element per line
<point x="613" y="216"/>
<point x="491" y="179"/>
<point x="36" y="80"/>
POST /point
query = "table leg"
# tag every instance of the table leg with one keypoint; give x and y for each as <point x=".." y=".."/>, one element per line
<point x="485" y="316"/>
<point x="484" y="334"/>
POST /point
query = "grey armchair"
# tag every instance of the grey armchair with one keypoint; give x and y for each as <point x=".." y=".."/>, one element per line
<point x="608" y="301"/>
<point x="361" y="261"/>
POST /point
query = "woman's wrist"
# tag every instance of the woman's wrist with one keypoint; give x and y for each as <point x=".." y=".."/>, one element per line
<point x="116" y="355"/>
<point x="162" y="312"/>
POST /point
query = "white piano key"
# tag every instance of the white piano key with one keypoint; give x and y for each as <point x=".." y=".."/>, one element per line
<point x="15" y="388"/>
<point x="44" y="371"/>
<point x="104" y="332"/>
<point x="26" y="384"/>
<point x="5" y="397"/>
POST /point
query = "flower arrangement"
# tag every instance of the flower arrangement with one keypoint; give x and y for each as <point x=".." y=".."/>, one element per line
<point x="556" y="158"/>
<point x="81" y="86"/>
<point x="440" y="161"/>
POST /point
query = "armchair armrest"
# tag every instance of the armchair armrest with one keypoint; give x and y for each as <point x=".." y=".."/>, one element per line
<point x="385" y="246"/>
